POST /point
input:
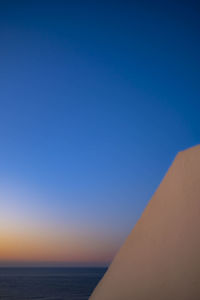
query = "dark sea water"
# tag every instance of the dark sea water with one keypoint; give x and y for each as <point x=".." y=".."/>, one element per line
<point x="48" y="283"/>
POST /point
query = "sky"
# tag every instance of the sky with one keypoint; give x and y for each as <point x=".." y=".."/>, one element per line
<point x="96" y="99"/>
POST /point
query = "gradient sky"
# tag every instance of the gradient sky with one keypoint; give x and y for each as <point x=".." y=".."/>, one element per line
<point x="96" y="99"/>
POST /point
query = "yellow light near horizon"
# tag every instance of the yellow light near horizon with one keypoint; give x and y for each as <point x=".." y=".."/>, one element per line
<point x="51" y="246"/>
<point x="29" y="233"/>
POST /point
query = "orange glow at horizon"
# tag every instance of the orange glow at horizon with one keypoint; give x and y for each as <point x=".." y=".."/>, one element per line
<point x="43" y="247"/>
<point x="31" y="234"/>
<point x="47" y="246"/>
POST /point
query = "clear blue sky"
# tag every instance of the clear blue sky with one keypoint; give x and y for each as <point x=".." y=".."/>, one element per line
<point x="96" y="99"/>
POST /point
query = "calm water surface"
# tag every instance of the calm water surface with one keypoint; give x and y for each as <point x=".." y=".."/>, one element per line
<point x="48" y="283"/>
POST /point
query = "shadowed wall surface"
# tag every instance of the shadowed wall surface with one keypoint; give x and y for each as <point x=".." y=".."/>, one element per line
<point x="160" y="258"/>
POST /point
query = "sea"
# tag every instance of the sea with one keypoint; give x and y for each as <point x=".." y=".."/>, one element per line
<point x="48" y="283"/>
